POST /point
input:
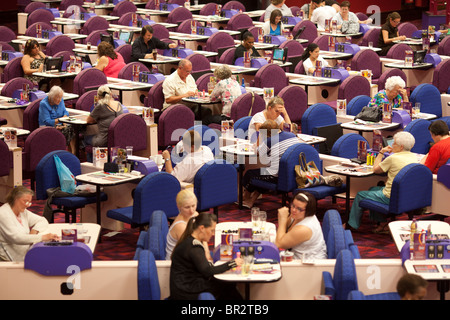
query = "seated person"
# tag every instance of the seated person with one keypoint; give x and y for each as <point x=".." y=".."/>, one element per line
<point x="394" y="93"/>
<point x="280" y="5"/>
<point x="197" y="155"/>
<point x="19" y="227"/>
<point x="274" y="26"/>
<point x="440" y="151"/>
<point x="310" y="57"/>
<point x="274" y="111"/>
<point x="226" y="90"/>
<point x="401" y="156"/>
<point x="389" y="33"/>
<point x="143" y="46"/>
<point x="272" y="144"/>
<point x="51" y="109"/>
<point x="308" y="9"/>
<point x="109" y="61"/>
<point x="104" y="112"/>
<point x="347" y="21"/>
<point x="323" y="12"/>
<point x="248" y="41"/>
<point x="299" y="230"/>
<point x="412" y="287"/>
<point x="32" y="60"/>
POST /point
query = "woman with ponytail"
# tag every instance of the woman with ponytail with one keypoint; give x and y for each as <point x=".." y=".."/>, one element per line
<point x="389" y="33"/>
<point x="191" y="273"/>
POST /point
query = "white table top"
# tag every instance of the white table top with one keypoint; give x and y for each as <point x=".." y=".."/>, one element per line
<point x="232" y="228"/>
<point x="305" y="80"/>
<point x="254" y="276"/>
<point x="20" y="132"/>
<point x="107" y="179"/>
<point x="357" y="171"/>
<point x="369" y="126"/>
<point x="87" y="231"/>
<point x="401" y="65"/>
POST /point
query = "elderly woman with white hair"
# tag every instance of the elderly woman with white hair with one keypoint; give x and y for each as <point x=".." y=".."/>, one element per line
<point x="394" y="93"/>
<point x="400" y="156"/>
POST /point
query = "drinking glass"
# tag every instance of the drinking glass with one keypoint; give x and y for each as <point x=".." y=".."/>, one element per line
<point x="262" y="220"/>
<point x="255" y="217"/>
<point x="129" y="150"/>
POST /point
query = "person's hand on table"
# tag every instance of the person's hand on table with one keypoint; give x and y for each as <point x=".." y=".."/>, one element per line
<point x="50" y="237"/>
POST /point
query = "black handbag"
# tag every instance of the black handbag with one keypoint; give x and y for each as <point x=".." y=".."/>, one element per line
<point x="373" y="114"/>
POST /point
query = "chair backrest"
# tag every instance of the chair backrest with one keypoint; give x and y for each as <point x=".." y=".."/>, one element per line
<point x="64" y="54"/>
<point x="32" y="6"/>
<point x="299" y="68"/>
<point x="210" y="138"/>
<point x="128" y="129"/>
<point x="40" y="142"/>
<point x="7" y="46"/>
<point x="150" y="4"/>
<point x="94" y="37"/>
<point x="86" y="101"/>
<point x="156" y="96"/>
<point x="322" y="42"/>
<point x="344" y="277"/>
<point x="271" y="76"/>
<point x="429" y="97"/>
<point x="157" y="242"/>
<point x="406" y="29"/>
<point x="46" y="174"/>
<point x="295" y="10"/>
<point x="125" y="19"/>
<point x="419" y="129"/>
<point x="295" y="101"/>
<point x="219" y="40"/>
<point x="310" y="32"/>
<point x="123" y="7"/>
<point x="70" y="10"/>
<point x="178" y="15"/>
<point x="443" y="47"/>
<point x="175" y="119"/>
<point x="88" y="79"/>
<point x="295" y="49"/>
<point x="185" y="26"/>
<point x="127" y="71"/>
<point x="371" y="36"/>
<point x="247" y="104"/>
<point x="367" y="59"/>
<point x="390" y="73"/>
<point x="148" y="284"/>
<point x="93" y="24"/>
<point x="160" y="31"/>
<point x="355" y="105"/>
<point x="330" y="218"/>
<point x="335" y="241"/>
<point x="202" y="81"/>
<point x="5" y="159"/>
<point x="12" y="70"/>
<point x="236" y="5"/>
<point x="199" y="63"/>
<point x="13" y="85"/>
<point x="398" y="51"/>
<point x="40" y="15"/>
<point x="239" y="22"/>
<point x="209" y="9"/>
<point x="354" y="86"/>
<point x="31" y="116"/>
<point x="317" y="115"/>
<point x="347" y="146"/>
<point x="67" y="3"/>
<point x="441" y="79"/>
<point x="6" y="34"/>
<point x="159" y="220"/>
<point x="59" y="43"/>
<point x="31" y="30"/>
<point x="241" y="127"/>
<point x="413" y="179"/>
<point x="125" y="51"/>
<point x="227" y="56"/>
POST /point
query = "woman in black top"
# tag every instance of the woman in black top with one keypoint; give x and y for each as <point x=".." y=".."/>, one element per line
<point x="247" y="45"/>
<point x="143" y="46"/>
<point x="191" y="273"/>
<point x="389" y="33"/>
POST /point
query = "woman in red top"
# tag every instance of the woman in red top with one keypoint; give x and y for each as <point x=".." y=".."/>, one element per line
<point x="110" y="62"/>
<point x="440" y="151"/>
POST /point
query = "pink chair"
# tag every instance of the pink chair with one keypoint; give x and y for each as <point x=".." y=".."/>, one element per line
<point x="310" y="32"/>
<point x="33" y="6"/>
<point x="368" y="59"/>
<point x="31" y="30"/>
<point x="209" y="9"/>
<point x="93" y="24"/>
<point x="353" y="86"/>
<point x="236" y="5"/>
<point x="160" y="32"/>
<point x="5" y="159"/>
<point x="6" y="34"/>
<point x="155" y="98"/>
<point x="443" y="47"/>
<point x="40" y="15"/>
<point x="67" y="3"/>
<point x="406" y="29"/>
<point x="398" y="51"/>
<point x="322" y="42"/>
<point x="370" y="36"/>
<point x="179" y="15"/>
<point x="219" y="41"/>
<point x="239" y="22"/>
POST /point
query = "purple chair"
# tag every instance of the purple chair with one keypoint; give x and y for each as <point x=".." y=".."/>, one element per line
<point x="5" y="159"/>
<point x="247" y="104"/>
<point x="270" y="76"/>
<point x="13" y="69"/>
<point x="174" y="119"/>
<point x="295" y="51"/>
<point x="31" y="116"/>
<point x="6" y="46"/>
<point x="155" y="98"/>
<point x="353" y="86"/>
<point x="127" y="71"/>
<point x="94" y="37"/>
<point x="361" y="16"/>
<point x="397" y="51"/>
<point x="40" y="142"/>
<point x="390" y="73"/>
<point x="160" y="32"/>
<point x="86" y="101"/>
<point x="254" y="31"/>
<point x="93" y="24"/>
<point x="370" y="36"/>
<point x="13" y="85"/>
<point x="441" y="78"/>
<point x="33" y="6"/>
<point x="88" y="79"/>
<point x="67" y="3"/>
<point x="240" y="21"/>
<point x="299" y="69"/>
<point x="310" y="32"/>
<point x="65" y="54"/>
<point x="406" y="29"/>
<point x="179" y="15"/>
<point x="125" y="51"/>
<point x="200" y="64"/>
<point x="59" y="43"/>
<point x="295" y="10"/>
<point x="125" y="19"/>
<point x="219" y="41"/>
<point x="150" y="5"/>
<point x="185" y="26"/>
<point x="202" y="81"/>
<point x="31" y="30"/>
<point x="322" y="42"/>
<point x="295" y="101"/>
<point x="236" y="5"/>
<point x="227" y="56"/>
<point x="128" y="129"/>
<point x="209" y="9"/>
<point x="6" y="34"/>
<point x="123" y="7"/>
<point x="40" y="16"/>
<point x="443" y="47"/>
<point x="368" y="59"/>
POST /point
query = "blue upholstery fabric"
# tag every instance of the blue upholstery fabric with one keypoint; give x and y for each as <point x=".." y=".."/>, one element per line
<point x="148" y="284"/>
<point x="209" y="137"/>
<point x="430" y="100"/>
<point x="317" y="115"/>
<point x="358" y="295"/>
<point x="336" y="241"/>
<point x="330" y="218"/>
<point x="344" y="278"/>
<point x="241" y="127"/>
<point x="419" y="129"/>
<point x="157" y="243"/>
<point x="347" y="146"/>
<point x="355" y="105"/>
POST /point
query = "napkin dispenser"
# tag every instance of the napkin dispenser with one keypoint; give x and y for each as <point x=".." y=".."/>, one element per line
<point x="402" y="117"/>
<point x="56" y="258"/>
<point x="260" y="250"/>
<point x="32" y="94"/>
<point x="148" y="77"/>
<point x="145" y="166"/>
<point x="9" y="55"/>
<point x="254" y="62"/>
<point x="49" y="34"/>
<point x="206" y="31"/>
<point x="432" y="58"/>
<point x="178" y="52"/>
<point x="335" y="73"/>
<point x="347" y="48"/>
<point x="290" y="20"/>
<point x="276" y="40"/>
<point x="228" y="13"/>
<point x="168" y="6"/>
<point x="54" y="11"/>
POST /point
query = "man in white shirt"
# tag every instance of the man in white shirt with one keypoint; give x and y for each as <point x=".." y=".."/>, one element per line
<point x="197" y="155"/>
<point x="323" y="13"/>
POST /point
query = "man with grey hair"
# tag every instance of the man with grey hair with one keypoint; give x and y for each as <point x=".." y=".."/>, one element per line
<point x="400" y="156"/>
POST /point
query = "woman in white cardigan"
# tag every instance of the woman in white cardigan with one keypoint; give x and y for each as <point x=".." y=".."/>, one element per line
<point x="20" y="228"/>
<point x="274" y="26"/>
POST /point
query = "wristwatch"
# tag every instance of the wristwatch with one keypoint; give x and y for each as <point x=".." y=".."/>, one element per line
<point x="168" y="159"/>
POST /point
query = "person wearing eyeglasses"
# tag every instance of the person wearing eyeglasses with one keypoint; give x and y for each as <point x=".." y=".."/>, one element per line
<point x="299" y="230"/>
<point x="389" y="33"/>
<point x="19" y="227"/>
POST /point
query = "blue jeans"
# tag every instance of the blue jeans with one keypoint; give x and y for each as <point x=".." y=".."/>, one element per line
<point x="374" y="193"/>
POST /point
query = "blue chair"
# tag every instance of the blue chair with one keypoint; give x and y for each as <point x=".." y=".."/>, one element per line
<point x="317" y="115"/>
<point x="419" y="129"/>
<point x="210" y="138"/>
<point x="241" y="127"/>
<point x="355" y="105"/>
<point x="332" y="232"/>
<point x="47" y="177"/>
<point x="430" y="100"/>
<point x="156" y="191"/>
<point x="347" y="146"/>
<point x="358" y="295"/>
<point x="344" y="278"/>
<point x="411" y="190"/>
<point x="160" y="225"/>
<point x="148" y="283"/>
<point x="215" y="184"/>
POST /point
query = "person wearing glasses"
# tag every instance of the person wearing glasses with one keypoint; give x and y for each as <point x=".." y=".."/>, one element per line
<point x="299" y="230"/>
<point x="19" y="227"/>
<point x="389" y="33"/>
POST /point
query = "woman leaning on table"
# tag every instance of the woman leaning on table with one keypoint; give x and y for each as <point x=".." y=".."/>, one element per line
<point x="19" y="227"/>
<point x="389" y="33"/>
<point x="191" y="273"/>
<point x="394" y="93"/>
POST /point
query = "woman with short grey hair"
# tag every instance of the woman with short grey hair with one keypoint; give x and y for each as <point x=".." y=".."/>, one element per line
<point x="394" y="93"/>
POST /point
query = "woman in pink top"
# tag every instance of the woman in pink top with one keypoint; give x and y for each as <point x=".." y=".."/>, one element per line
<point x="110" y="62"/>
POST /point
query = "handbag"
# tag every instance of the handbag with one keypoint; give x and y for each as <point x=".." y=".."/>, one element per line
<point x="307" y="174"/>
<point x="367" y="113"/>
<point x="66" y="178"/>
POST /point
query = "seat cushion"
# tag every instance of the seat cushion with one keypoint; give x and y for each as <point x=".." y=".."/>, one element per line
<point x="124" y="214"/>
<point x="323" y="191"/>
<point x="375" y="206"/>
<point x="77" y="202"/>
